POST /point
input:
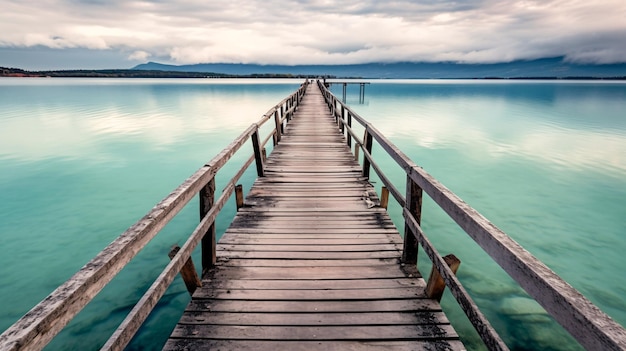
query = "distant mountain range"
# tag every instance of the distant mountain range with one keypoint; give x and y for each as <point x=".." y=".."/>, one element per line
<point x="554" y="67"/>
<point x="548" y="68"/>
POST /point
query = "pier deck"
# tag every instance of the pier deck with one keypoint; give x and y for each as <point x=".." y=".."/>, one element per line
<point x="311" y="261"/>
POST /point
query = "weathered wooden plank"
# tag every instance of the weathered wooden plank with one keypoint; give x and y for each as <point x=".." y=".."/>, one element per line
<point x="306" y="263"/>
<point x="301" y="241"/>
<point x="253" y="306"/>
<point x="311" y="248"/>
<point x="372" y="213"/>
<point x="268" y="233"/>
<point x="326" y="284"/>
<point x="311" y="295"/>
<point x="371" y="225"/>
<point x="315" y="319"/>
<point x="317" y="232"/>
<point x="309" y="255"/>
<point x="318" y="333"/>
<point x="267" y="345"/>
<point x="303" y="208"/>
<point x="308" y="273"/>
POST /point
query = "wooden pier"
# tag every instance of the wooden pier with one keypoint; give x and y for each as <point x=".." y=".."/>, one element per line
<point x="311" y="261"/>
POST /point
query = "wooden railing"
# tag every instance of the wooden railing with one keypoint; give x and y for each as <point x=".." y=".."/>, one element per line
<point x="44" y="321"/>
<point x="592" y="328"/>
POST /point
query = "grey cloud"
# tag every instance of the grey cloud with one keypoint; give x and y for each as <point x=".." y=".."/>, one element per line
<point x="323" y="31"/>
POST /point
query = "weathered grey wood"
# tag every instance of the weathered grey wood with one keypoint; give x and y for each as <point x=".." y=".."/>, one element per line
<point x="239" y="196"/>
<point x="316" y="231"/>
<point x="384" y="197"/>
<point x="313" y="319"/>
<point x="303" y="262"/>
<point x="278" y="126"/>
<point x="124" y="333"/>
<point x="304" y="255"/>
<point x="414" y="205"/>
<point x="436" y="284"/>
<point x="327" y="284"/>
<point x="313" y="248"/>
<point x="187" y="272"/>
<point x="319" y="333"/>
<point x="255" y="306"/>
<point x="312" y="295"/>
<point x="367" y="145"/>
<point x="268" y="233"/>
<point x="265" y="345"/>
<point x="487" y="333"/>
<point x="320" y="284"/>
<point x="207" y="199"/>
<point x="247" y="240"/>
<point x="258" y="156"/>
<point x="310" y="249"/>
<point x="309" y="273"/>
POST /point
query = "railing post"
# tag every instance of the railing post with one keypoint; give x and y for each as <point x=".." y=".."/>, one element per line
<point x="348" y="135"/>
<point x="414" y="205"/>
<point x="436" y="285"/>
<point x="282" y="112"/>
<point x="342" y="126"/>
<point x="187" y="272"/>
<point x="207" y="199"/>
<point x="239" y="196"/>
<point x="279" y="125"/>
<point x="367" y="139"/>
<point x="384" y="197"/>
<point x="258" y="153"/>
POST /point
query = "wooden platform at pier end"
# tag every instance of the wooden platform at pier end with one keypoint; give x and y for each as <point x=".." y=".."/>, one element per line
<point x="311" y="262"/>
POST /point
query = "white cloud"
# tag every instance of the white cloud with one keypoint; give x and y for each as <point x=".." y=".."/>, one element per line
<point x="139" y="56"/>
<point x="323" y="31"/>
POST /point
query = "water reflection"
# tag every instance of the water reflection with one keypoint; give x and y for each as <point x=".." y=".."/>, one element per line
<point x="81" y="120"/>
<point x="578" y="130"/>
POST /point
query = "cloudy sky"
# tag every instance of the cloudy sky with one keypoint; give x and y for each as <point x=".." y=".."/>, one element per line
<point x="60" y="34"/>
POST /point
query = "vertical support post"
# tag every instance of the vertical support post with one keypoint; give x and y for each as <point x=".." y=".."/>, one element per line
<point x="367" y="139"/>
<point x="362" y="93"/>
<point x="258" y="154"/>
<point x="414" y="205"/>
<point x="343" y="118"/>
<point x="239" y="196"/>
<point x="279" y="127"/>
<point x="436" y="285"/>
<point x="207" y="199"/>
<point x="357" y="149"/>
<point x="187" y="272"/>
<point x="282" y="111"/>
<point x="384" y="197"/>
<point x="345" y="85"/>
<point x="348" y="136"/>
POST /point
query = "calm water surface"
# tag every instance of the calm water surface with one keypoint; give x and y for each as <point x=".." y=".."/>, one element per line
<point x="83" y="159"/>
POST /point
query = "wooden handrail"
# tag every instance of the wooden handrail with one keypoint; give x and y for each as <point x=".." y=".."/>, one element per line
<point x="44" y="321"/>
<point x="591" y="327"/>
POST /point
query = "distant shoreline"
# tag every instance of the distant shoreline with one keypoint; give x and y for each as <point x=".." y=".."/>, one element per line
<point x="131" y="73"/>
<point x="137" y="73"/>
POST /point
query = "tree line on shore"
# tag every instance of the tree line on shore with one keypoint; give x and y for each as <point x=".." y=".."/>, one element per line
<point x="132" y="73"/>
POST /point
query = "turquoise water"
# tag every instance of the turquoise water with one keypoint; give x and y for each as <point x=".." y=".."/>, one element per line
<point x="83" y="159"/>
<point x="544" y="161"/>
